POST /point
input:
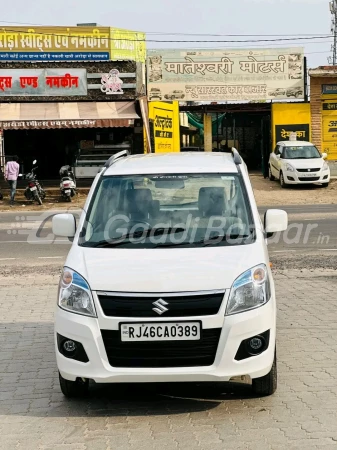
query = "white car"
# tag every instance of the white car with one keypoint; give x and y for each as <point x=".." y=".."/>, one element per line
<point x="168" y="278"/>
<point x="298" y="162"/>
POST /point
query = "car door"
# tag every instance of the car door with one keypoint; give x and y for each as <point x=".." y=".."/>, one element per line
<point x="274" y="160"/>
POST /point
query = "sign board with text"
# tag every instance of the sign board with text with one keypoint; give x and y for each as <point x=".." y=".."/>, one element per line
<point x="71" y="44"/>
<point x="284" y="132"/>
<point x="329" y="89"/>
<point x="226" y="75"/>
<point x="43" y="82"/>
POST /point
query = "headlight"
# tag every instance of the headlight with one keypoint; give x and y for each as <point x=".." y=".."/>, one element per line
<point x="289" y="168"/>
<point x="251" y="290"/>
<point x="74" y="294"/>
<point x="325" y="166"/>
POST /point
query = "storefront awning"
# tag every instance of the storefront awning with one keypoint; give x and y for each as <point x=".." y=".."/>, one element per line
<point x="21" y="116"/>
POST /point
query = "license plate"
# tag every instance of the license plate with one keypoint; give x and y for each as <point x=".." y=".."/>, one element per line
<point x="308" y="175"/>
<point x="67" y="191"/>
<point x="142" y="332"/>
<point x="33" y="188"/>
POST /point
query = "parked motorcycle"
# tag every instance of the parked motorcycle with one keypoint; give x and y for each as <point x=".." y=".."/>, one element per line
<point x="68" y="183"/>
<point x="34" y="190"/>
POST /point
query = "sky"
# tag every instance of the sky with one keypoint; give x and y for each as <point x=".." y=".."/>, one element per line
<point x="223" y="17"/>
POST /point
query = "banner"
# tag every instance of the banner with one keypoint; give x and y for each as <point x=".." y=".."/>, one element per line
<point x="71" y="44"/>
<point x="127" y="45"/>
<point x="42" y="82"/>
<point x="226" y="75"/>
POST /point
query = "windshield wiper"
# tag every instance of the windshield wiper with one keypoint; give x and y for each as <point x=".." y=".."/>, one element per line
<point x="136" y="235"/>
<point x="204" y="242"/>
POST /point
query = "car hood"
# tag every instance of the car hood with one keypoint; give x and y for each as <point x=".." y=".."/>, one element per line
<point x="164" y="270"/>
<point x="314" y="163"/>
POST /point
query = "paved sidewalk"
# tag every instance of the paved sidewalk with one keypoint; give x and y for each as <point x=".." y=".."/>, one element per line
<point x="301" y="415"/>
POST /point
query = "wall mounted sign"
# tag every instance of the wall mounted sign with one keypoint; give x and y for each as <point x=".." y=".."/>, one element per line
<point x="111" y="83"/>
<point x="42" y="82"/>
<point x="221" y="75"/>
<point x="329" y="89"/>
<point x="71" y="44"/>
<point x="284" y="132"/>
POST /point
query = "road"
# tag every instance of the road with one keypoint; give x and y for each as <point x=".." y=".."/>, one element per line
<point x="301" y="415"/>
<point x="27" y="238"/>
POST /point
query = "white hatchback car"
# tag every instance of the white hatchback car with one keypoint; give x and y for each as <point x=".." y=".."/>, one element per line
<point x="168" y="278"/>
<point x="298" y="162"/>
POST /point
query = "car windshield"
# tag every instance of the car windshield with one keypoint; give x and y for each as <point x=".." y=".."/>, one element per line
<point x="301" y="152"/>
<point x="156" y="211"/>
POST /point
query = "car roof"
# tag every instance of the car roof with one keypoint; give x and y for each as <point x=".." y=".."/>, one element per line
<point x="186" y="162"/>
<point x="294" y="143"/>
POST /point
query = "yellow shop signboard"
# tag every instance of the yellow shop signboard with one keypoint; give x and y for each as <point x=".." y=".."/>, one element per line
<point x="329" y="128"/>
<point x="165" y="129"/>
<point x="85" y="43"/>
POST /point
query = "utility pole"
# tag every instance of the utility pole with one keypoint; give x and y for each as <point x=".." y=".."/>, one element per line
<point x="333" y="10"/>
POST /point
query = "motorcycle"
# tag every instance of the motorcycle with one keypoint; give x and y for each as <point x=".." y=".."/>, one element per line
<point x="34" y="190"/>
<point x="68" y="183"/>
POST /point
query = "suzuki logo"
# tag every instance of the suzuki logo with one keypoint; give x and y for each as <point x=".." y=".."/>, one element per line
<point x="160" y="306"/>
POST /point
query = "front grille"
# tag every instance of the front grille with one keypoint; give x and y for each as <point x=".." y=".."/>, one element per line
<point x="308" y="170"/>
<point x="163" y="353"/>
<point x="116" y="305"/>
<point x="309" y="179"/>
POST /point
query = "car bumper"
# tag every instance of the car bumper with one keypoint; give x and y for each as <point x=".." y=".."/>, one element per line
<point x="234" y="330"/>
<point x="299" y="178"/>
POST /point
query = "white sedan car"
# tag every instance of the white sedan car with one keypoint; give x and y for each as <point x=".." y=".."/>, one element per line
<point x="298" y="162"/>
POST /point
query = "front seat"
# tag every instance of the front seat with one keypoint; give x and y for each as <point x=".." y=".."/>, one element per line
<point x="139" y="204"/>
<point x="211" y="201"/>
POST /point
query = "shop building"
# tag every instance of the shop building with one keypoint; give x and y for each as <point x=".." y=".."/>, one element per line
<point x="229" y="94"/>
<point x="61" y="106"/>
<point x="323" y="103"/>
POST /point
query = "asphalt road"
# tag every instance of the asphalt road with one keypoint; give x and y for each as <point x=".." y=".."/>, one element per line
<point x="28" y="239"/>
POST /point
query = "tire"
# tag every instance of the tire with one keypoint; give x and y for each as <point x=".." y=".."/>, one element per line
<point x="270" y="175"/>
<point x="325" y="185"/>
<point x="38" y="199"/>
<point x="69" y="198"/>
<point x="267" y="385"/>
<point x="282" y="182"/>
<point x="74" y="389"/>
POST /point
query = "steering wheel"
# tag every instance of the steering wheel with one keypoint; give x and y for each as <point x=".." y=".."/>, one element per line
<point x="132" y="223"/>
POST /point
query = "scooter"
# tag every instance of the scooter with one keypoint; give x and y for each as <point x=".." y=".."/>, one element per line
<point x="34" y="190"/>
<point x="68" y="183"/>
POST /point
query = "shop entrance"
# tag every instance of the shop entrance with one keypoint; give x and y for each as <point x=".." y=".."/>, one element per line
<point x="53" y="148"/>
<point x="244" y="126"/>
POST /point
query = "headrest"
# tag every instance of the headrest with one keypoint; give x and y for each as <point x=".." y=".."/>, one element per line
<point x="211" y="201"/>
<point x="139" y="201"/>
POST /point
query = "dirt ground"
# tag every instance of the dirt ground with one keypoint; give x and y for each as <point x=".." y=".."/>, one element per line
<point x="267" y="193"/>
<point x="270" y="193"/>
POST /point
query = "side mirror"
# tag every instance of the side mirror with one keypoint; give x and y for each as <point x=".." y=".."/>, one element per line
<point x="324" y="155"/>
<point x="64" y="225"/>
<point x="275" y="220"/>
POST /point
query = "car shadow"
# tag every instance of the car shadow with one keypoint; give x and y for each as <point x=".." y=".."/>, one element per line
<point x="30" y="386"/>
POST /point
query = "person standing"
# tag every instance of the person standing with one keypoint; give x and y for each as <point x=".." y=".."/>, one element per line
<point x="11" y="176"/>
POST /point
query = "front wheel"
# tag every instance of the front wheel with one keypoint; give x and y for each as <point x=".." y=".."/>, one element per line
<point x="266" y="385"/>
<point x="270" y="174"/>
<point x="38" y="199"/>
<point x="69" y="198"/>
<point x="71" y="389"/>
<point x="325" y="185"/>
<point x="282" y="182"/>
